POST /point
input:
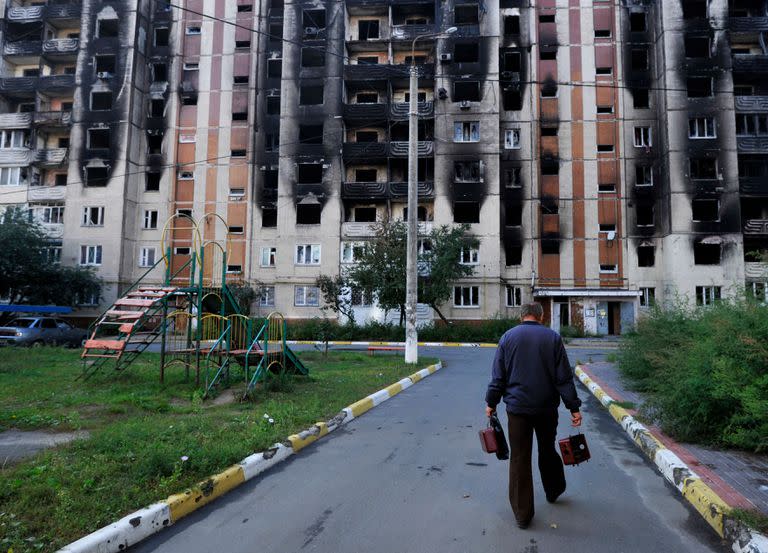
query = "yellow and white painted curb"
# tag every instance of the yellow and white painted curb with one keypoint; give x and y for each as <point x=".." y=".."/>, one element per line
<point x="714" y="510"/>
<point x="391" y="344"/>
<point x="133" y="528"/>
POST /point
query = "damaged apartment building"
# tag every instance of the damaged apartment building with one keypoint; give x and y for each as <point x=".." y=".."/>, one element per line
<point x="607" y="155"/>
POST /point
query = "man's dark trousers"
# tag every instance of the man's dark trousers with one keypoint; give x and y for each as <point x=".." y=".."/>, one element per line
<point x="521" y="429"/>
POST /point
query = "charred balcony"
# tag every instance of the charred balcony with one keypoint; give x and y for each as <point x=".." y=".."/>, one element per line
<point x="364" y="190"/>
<point x="61" y="49"/>
<point x="52" y="119"/>
<point x="51" y="157"/>
<point x="56" y="84"/>
<point x="751" y="104"/>
<point x="25" y="14"/>
<point x="751" y="63"/>
<point x="18" y="87"/>
<point x="425" y="189"/>
<point x="379" y="72"/>
<point x="365" y="151"/>
<point x="63" y="14"/>
<point x="399" y="148"/>
<point x="22" y="51"/>
<point x="748" y="25"/>
<point x="400" y="110"/>
<point x="752" y="144"/>
<point x="756" y="227"/>
<point x="756" y="187"/>
<point x="365" y="112"/>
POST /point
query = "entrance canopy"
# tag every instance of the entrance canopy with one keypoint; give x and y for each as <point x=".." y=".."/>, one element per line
<point x="585" y="293"/>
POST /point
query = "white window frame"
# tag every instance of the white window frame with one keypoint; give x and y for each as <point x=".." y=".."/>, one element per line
<point x="147" y="257"/>
<point x="178" y="250"/>
<point x="14" y="139"/>
<point x="465" y="132"/>
<point x="234" y="269"/>
<point x="649" y="169"/>
<point x="512" y="139"/>
<point x="49" y="214"/>
<point x="88" y="219"/>
<point x="606" y="270"/>
<point x="514" y="296"/>
<point x="702" y="128"/>
<point x="469" y="256"/>
<point x="90" y="255"/>
<point x="709" y="294"/>
<point x="191" y="66"/>
<point x="147" y="220"/>
<point x="12" y="176"/>
<point x="759" y="290"/>
<point x="268" y="257"/>
<point x="643" y="137"/>
<point x="92" y="299"/>
<point x="473" y="299"/>
<point x="187" y="139"/>
<point x="267" y="296"/>
<point x="53" y="254"/>
<point x="647" y="296"/>
<point x="300" y="296"/>
<point x="193" y="30"/>
<point x="307" y="254"/>
<point x="365" y="299"/>
<point x="347" y="251"/>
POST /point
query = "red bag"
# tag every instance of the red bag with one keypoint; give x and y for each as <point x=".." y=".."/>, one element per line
<point x="493" y="440"/>
<point x="574" y="449"/>
<point x="488" y="440"/>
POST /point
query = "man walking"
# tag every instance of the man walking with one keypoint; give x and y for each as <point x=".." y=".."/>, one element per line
<point x="531" y="373"/>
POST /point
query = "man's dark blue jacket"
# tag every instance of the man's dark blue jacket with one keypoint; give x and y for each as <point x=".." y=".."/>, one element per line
<point x="531" y="372"/>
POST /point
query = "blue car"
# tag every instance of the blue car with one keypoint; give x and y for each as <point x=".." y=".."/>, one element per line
<point x="40" y="331"/>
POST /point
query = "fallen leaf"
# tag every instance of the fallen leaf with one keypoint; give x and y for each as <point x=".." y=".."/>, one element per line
<point x="466" y="495"/>
<point x="553" y="525"/>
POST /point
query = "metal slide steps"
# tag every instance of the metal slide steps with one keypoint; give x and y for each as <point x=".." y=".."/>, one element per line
<point x="116" y="333"/>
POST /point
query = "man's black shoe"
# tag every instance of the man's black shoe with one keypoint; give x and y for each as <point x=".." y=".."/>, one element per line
<point x="523" y="524"/>
<point x="552" y="498"/>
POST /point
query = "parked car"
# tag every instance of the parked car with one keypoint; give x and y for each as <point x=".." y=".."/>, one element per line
<point x="38" y="331"/>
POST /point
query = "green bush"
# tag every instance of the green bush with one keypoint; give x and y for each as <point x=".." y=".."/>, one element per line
<point x="320" y="329"/>
<point x="704" y="372"/>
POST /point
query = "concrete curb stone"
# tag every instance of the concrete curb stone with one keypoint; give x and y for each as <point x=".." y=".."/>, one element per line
<point x="713" y="508"/>
<point x="137" y="526"/>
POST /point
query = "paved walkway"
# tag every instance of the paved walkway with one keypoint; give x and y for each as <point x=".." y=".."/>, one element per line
<point x="410" y="476"/>
<point x="740" y="478"/>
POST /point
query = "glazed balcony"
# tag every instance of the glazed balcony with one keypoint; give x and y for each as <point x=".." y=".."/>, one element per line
<point x="756" y="227"/>
<point x="15" y="120"/>
<point x="748" y="24"/>
<point x="364" y="151"/>
<point x="751" y="104"/>
<point x="750" y="64"/>
<point x="400" y="110"/>
<point x="425" y="148"/>
<point x="16" y="156"/>
<point x="755" y="271"/>
<point x="61" y="48"/>
<point x="52" y="119"/>
<point x="25" y="14"/>
<point x="752" y="144"/>
<point x="51" y="157"/>
<point x="426" y="189"/>
<point x="358" y="230"/>
<point x="364" y="191"/>
<point x="365" y="112"/>
<point x="753" y="186"/>
<point x="46" y="193"/>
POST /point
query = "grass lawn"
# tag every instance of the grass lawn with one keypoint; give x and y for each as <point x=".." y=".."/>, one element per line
<point x="140" y="430"/>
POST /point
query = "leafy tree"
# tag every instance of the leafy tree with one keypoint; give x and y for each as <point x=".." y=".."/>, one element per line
<point x="380" y="265"/>
<point x="337" y="295"/>
<point x="27" y="275"/>
<point x="244" y="294"/>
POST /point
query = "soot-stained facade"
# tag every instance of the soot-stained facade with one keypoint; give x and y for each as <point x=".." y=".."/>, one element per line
<point x="607" y="156"/>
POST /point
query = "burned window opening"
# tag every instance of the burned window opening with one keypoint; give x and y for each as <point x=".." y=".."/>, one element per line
<point x="466" y="212"/>
<point x="511" y="25"/>
<point x="699" y="87"/>
<point x="550" y="166"/>
<point x="270" y="179"/>
<point x="162" y="36"/>
<point x="606" y="188"/>
<point x="241" y="8"/>
<point x="311" y="134"/>
<point x="641" y="98"/>
<point x="365" y="175"/>
<point x="189" y="100"/>
<point x="311" y="95"/>
<point x="547" y="54"/>
<point x="512" y="99"/>
<point x="421" y="213"/>
<point x="368" y="60"/>
<point x="240" y="116"/>
<point x="313" y="19"/>
<point x="274" y="68"/>
<point x="466" y="52"/>
<point x="547" y="18"/>
<point x="310" y="173"/>
<point x="308" y="214"/>
<point x="705" y="210"/>
<point x="706" y="254"/>
<point x="639" y="59"/>
<point x="159" y="72"/>
<point x="272" y="142"/>
<point x="108" y="28"/>
<point x="549" y="89"/>
<point x="101" y="101"/>
<point x="602" y="33"/>
<point x="269" y="217"/>
<point x="645" y="215"/>
<point x="237" y="153"/>
<point x="96" y="176"/>
<point x="466" y="91"/>
<point x="646" y="256"/>
<point x="155" y="143"/>
<point x="549" y="131"/>
<point x="694" y="9"/>
<point x="157" y="108"/>
<point x="368" y="29"/>
<point x="152" y="182"/>
<point x="367" y="97"/>
<point x="512" y="61"/>
<point x="703" y="168"/>
<point x="603" y="70"/>
<point x="242" y="44"/>
<point x="99" y="139"/>
<point x="549" y="206"/>
<point x="550" y="246"/>
<point x="513" y="254"/>
<point x="697" y="47"/>
<point x="364" y="214"/>
<point x="467" y="171"/>
<point x="466" y="14"/>
<point x="366" y="136"/>
<point x="637" y="22"/>
<point x="312" y="57"/>
<point x="513" y="177"/>
<point x="240" y="79"/>
<point x="60" y="179"/>
<point x="273" y="105"/>
<point x="513" y="215"/>
<point x="105" y="64"/>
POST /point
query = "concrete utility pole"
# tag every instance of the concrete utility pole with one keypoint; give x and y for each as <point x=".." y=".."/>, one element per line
<point x="411" y="271"/>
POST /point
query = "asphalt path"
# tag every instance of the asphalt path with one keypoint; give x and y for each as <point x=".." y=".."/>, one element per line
<point x="410" y="476"/>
